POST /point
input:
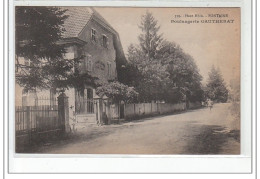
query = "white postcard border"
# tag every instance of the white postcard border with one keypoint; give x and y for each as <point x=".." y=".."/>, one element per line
<point x="43" y="163"/>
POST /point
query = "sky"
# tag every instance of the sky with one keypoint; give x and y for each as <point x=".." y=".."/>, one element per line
<point x="209" y="44"/>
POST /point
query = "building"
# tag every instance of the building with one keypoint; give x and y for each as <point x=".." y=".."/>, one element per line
<point x="89" y="34"/>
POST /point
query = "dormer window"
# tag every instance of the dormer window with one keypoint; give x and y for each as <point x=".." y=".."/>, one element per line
<point x="93" y="35"/>
<point x="104" y="41"/>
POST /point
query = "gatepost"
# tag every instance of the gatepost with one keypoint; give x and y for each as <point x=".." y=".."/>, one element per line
<point x="98" y="109"/>
<point x="106" y="112"/>
<point x="63" y="112"/>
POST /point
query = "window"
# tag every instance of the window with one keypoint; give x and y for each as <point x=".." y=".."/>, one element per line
<point x="89" y="93"/>
<point x="109" y="69"/>
<point x="93" y="35"/>
<point x="88" y="63"/>
<point x="104" y="41"/>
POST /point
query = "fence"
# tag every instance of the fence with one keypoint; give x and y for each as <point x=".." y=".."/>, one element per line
<point x="34" y="122"/>
<point x="146" y="109"/>
<point x="139" y="110"/>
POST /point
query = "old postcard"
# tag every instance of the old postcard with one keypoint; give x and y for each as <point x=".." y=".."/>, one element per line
<point x="129" y="87"/>
<point x="125" y="80"/>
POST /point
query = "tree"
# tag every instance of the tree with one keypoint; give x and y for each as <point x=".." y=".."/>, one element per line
<point x="117" y="91"/>
<point x="183" y="73"/>
<point x="37" y="31"/>
<point x="235" y="101"/>
<point x="160" y="70"/>
<point x="216" y="89"/>
<point x="235" y="90"/>
<point x="148" y="76"/>
<point x="149" y="38"/>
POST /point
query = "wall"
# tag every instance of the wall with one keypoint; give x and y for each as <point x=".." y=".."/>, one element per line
<point x="147" y="109"/>
<point x="99" y="55"/>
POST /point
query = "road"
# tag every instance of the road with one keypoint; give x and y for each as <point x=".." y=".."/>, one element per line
<point x="201" y="131"/>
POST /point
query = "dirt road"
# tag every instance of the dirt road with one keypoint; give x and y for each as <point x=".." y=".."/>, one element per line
<point x="201" y="131"/>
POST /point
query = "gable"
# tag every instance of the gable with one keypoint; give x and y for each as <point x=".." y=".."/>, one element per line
<point x="100" y="31"/>
<point x="79" y="18"/>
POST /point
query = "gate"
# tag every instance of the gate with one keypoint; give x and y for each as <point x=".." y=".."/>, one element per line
<point x="85" y="106"/>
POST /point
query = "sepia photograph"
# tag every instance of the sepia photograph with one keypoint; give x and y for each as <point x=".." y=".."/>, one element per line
<point x="127" y="80"/>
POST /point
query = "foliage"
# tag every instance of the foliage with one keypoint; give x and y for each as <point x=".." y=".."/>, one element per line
<point x="235" y="90"/>
<point x="37" y="31"/>
<point x="216" y="89"/>
<point x="160" y="70"/>
<point x="235" y="100"/>
<point x="183" y="72"/>
<point x="149" y="76"/>
<point x="117" y="91"/>
<point x="78" y="80"/>
<point x="149" y="38"/>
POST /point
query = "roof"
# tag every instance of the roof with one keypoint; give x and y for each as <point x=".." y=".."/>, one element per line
<point x="77" y="19"/>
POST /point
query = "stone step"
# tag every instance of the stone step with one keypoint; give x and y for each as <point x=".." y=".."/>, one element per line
<point x="86" y="118"/>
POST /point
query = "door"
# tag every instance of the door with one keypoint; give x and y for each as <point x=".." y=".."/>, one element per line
<point x="122" y="111"/>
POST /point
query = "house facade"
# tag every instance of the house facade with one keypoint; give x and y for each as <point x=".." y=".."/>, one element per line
<point x="87" y="34"/>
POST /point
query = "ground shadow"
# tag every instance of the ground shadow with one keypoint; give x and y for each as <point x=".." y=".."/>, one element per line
<point x="211" y="139"/>
<point x="71" y="138"/>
